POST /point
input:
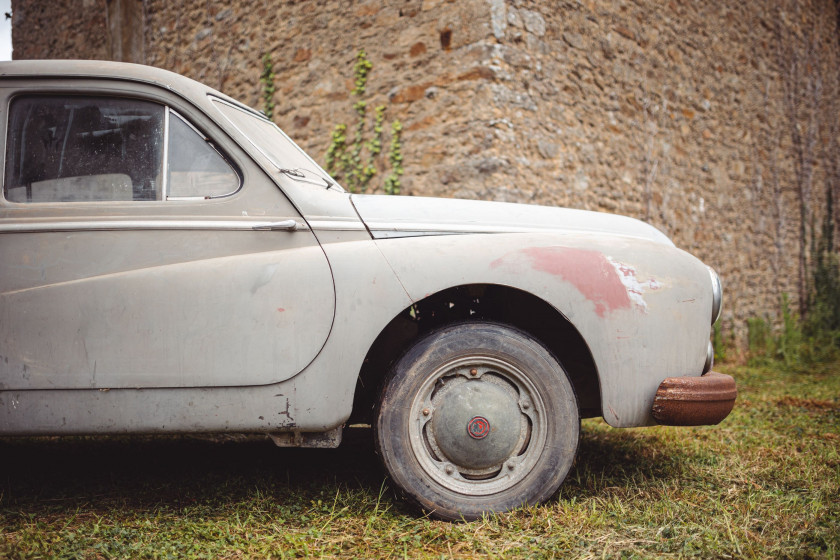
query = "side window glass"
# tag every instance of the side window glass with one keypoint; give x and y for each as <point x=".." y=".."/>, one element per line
<point x="195" y="168"/>
<point x="76" y="149"/>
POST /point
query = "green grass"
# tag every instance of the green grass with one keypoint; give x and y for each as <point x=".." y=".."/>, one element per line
<point x="765" y="483"/>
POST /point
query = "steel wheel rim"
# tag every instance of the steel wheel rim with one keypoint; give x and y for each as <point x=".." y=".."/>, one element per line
<point x="504" y="376"/>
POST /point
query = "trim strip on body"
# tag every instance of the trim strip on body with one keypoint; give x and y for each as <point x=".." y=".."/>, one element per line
<point x="379" y="230"/>
<point x="217" y="225"/>
<point x="110" y="225"/>
<point x="336" y="225"/>
<point x="385" y="230"/>
<point x="388" y="229"/>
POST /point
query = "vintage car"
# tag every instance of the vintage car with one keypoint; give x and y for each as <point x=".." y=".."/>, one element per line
<point x="170" y="261"/>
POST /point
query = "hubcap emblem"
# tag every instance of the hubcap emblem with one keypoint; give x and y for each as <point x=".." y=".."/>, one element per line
<point x="478" y="427"/>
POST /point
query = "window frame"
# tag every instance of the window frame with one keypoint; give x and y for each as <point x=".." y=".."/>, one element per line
<point x="120" y="95"/>
<point x="325" y="180"/>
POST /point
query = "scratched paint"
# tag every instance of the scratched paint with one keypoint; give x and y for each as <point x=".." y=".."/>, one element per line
<point x="607" y="283"/>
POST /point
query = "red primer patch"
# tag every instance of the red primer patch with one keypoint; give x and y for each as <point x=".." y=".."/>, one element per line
<point x="588" y="271"/>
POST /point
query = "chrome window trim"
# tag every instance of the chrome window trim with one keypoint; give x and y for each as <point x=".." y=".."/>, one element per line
<point x="164" y="183"/>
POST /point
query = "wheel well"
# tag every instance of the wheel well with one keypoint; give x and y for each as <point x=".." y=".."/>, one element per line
<point x="479" y="302"/>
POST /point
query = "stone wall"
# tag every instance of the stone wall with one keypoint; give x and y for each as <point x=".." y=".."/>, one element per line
<point x="674" y="112"/>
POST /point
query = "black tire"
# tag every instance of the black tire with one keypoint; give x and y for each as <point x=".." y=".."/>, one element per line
<point x="517" y="408"/>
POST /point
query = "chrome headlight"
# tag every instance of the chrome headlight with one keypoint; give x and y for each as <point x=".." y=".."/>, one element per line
<point x="717" y="294"/>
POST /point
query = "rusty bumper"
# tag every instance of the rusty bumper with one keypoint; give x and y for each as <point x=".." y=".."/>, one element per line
<point x="694" y="401"/>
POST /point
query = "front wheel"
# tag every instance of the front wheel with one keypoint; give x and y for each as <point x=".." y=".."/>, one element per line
<point x="476" y="418"/>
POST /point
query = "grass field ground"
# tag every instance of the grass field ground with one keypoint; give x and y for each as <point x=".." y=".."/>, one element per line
<point x="764" y="483"/>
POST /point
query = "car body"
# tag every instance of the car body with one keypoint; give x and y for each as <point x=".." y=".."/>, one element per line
<point x="172" y="262"/>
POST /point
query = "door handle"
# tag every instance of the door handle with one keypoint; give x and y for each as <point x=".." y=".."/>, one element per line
<point x="285" y="225"/>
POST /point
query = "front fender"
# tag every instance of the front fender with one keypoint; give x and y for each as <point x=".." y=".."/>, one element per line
<point x="643" y="308"/>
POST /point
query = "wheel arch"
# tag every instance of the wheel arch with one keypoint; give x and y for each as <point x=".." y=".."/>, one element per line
<point x="488" y="302"/>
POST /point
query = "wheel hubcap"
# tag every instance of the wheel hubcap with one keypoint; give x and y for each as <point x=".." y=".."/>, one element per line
<point x="478" y="426"/>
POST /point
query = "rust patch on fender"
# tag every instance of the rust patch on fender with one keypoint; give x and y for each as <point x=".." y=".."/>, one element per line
<point x="591" y="272"/>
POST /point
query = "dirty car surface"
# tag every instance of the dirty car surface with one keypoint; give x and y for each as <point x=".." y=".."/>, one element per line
<point x="172" y="262"/>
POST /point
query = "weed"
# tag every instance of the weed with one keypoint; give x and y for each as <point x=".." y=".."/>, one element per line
<point x="796" y="343"/>
<point x="789" y="341"/>
<point x="268" y="88"/>
<point x="392" y="182"/>
<point x="823" y="321"/>
<point x="354" y="162"/>
<point x="760" y="341"/>
<point x="722" y="344"/>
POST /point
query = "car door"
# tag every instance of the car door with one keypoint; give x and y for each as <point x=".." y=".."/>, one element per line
<point x="141" y="247"/>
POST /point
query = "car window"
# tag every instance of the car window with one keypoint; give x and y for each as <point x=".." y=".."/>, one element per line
<point x="195" y="168"/>
<point x="72" y="149"/>
<point x="82" y="149"/>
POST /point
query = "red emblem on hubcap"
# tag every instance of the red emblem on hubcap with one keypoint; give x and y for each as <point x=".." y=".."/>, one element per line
<point x="478" y="427"/>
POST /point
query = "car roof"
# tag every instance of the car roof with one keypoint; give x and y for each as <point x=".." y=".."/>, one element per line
<point x="105" y="69"/>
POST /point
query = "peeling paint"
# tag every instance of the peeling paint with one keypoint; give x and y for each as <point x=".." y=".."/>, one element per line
<point x="609" y="284"/>
<point x="592" y="273"/>
<point x="635" y="288"/>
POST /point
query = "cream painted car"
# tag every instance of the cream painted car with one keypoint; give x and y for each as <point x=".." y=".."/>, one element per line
<point x="172" y="262"/>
